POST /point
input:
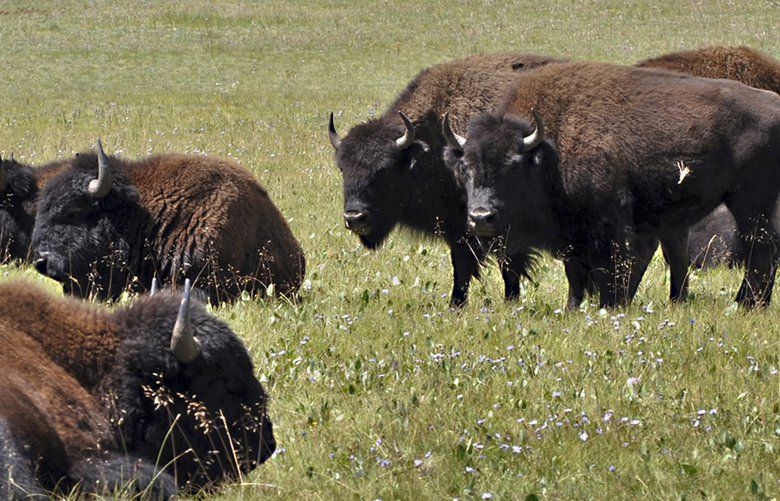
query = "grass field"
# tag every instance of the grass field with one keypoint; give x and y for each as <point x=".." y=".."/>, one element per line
<point x="379" y="390"/>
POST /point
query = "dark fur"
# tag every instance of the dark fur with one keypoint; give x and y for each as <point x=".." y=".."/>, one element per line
<point x="603" y="187"/>
<point x="413" y="188"/>
<point x="18" y="206"/>
<point x="77" y="405"/>
<point x="714" y="240"/>
<point x="170" y="216"/>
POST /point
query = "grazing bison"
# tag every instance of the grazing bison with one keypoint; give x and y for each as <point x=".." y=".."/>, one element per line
<point x="171" y="216"/>
<point x="714" y="239"/>
<point x="155" y="395"/>
<point x="19" y="188"/>
<point x="629" y="155"/>
<point x="393" y="171"/>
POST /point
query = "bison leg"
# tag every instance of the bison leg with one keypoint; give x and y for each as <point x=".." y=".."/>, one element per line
<point x="514" y="267"/>
<point x="761" y="248"/>
<point x="675" y="248"/>
<point x="578" y="275"/>
<point x="17" y="475"/>
<point x="466" y="260"/>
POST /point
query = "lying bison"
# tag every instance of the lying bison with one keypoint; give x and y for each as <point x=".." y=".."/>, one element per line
<point x="393" y="171"/>
<point x="169" y="216"/>
<point x="714" y="239"/>
<point x="627" y="156"/>
<point x="19" y="188"/>
<point x="152" y="397"/>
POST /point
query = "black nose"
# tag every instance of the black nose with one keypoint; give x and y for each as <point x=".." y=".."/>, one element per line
<point x="357" y="221"/>
<point x="41" y="261"/>
<point x="482" y="215"/>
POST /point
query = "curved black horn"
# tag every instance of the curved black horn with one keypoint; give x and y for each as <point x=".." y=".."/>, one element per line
<point x="537" y="136"/>
<point x="100" y="187"/>
<point x="452" y="138"/>
<point x="183" y="343"/>
<point x="335" y="141"/>
<point x="408" y="138"/>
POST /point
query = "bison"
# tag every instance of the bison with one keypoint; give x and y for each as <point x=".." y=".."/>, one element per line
<point x="714" y="239"/>
<point x="626" y="156"/>
<point x="153" y="397"/>
<point x="392" y="167"/>
<point x="105" y="224"/>
<point x="19" y="188"/>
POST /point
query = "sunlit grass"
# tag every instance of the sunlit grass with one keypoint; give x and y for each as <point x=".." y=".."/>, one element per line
<point x="378" y="389"/>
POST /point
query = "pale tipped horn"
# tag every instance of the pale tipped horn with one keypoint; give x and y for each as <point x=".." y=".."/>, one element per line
<point x="155" y="287"/>
<point x="101" y="186"/>
<point x="408" y="138"/>
<point x="183" y="343"/>
<point x="452" y="138"/>
<point x="3" y="176"/>
<point x="335" y="141"/>
<point x="537" y="136"/>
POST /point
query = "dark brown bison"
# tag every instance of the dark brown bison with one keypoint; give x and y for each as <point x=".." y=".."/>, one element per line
<point x="626" y="156"/>
<point x="19" y="188"/>
<point x="714" y="239"/>
<point x="153" y="397"/>
<point x="105" y="224"/>
<point x="393" y="171"/>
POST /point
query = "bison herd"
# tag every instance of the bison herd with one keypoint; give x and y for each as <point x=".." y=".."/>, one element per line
<point x="502" y="155"/>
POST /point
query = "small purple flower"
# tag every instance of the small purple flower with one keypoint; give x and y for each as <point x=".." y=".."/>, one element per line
<point x="612" y="468"/>
<point x="418" y="463"/>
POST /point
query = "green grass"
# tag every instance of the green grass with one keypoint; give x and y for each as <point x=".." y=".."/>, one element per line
<point x="378" y="389"/>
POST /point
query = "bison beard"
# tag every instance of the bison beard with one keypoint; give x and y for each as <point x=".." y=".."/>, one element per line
<point x="113" y="408"/>
<point x="392" y="167"/>
<point x="617" y="188"/>
<point x="169" y="216"/>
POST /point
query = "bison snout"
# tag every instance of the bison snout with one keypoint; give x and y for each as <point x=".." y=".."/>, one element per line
<point x="357" y="221"/>
<point x="483" y="221"/>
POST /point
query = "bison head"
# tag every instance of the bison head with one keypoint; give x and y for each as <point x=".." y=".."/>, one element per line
<point x="86" y="227"/>
<point x="18" y="190"/>
<point x="184" y="392"/>
<point x="374" y="159"/>
<point x="503" y="167"/>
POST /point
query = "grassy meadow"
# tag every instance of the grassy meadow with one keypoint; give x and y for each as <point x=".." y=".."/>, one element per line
<point x="378" y="389"/>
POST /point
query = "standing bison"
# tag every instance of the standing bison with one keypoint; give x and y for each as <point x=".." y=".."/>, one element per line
<point x="714" y="239"/>
<point x="625" y="156"/>
<point x="393" y="171"/>
<point x="152" y="397"/>
<point x="105" y="225"/>
<point x="19" y="188"/>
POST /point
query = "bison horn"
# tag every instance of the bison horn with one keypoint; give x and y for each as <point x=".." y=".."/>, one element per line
<point x="408" y="138"/>
<point x="332" y="134"/>
<point x="155" y="287"/>
<point x="100" y="187"/>
<point x="454" y="140"/>
<point x="183" y="343"/>
<point x="3" y="176"/>
<point x="537" y="136"/>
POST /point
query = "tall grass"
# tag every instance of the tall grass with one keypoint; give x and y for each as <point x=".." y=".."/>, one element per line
<point x="379" y="390"/>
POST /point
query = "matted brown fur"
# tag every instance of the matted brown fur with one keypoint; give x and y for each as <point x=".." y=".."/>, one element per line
<point x="200" y="203"/>
<point x="463" y="86"/>
<point x="743" y="64"/>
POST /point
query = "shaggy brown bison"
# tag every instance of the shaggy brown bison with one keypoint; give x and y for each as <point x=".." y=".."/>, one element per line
<point x="19" y="188"/>
<point x="152" y="397"/>
<point x="625" y="156"/>
<point x="105" y="224"/>
<point x="393" y="171"/>
<point x="714" y="239"/>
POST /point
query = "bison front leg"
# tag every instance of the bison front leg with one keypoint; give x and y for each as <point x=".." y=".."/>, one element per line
<point x="512" y="269"/>
<point x="466" y="260"/>
<point x="127" y="476"/>
<point x="674" y="245"/>
<point x="578" y="275"/>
